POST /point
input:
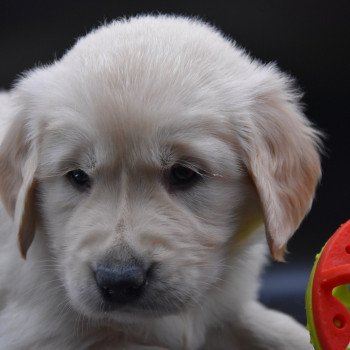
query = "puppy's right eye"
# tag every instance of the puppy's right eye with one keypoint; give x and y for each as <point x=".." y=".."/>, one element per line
<point x="79" y="179"/>
<point x="182" y="177"/>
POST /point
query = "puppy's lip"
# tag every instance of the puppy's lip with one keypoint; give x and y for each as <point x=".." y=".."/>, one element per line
<point x="150" y="304"/>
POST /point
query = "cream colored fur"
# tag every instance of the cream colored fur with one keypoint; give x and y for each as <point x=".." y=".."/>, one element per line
<point x="127" y="102"/>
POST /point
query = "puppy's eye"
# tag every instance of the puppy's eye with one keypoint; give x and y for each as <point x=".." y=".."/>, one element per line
<point x="79" y="179"/>
<point x="182" y="177"/>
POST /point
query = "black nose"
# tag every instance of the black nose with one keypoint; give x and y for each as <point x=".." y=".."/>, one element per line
<point x="120" y="283"/>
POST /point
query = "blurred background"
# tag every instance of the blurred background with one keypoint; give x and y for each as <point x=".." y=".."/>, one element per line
<point x="308" y="39"/>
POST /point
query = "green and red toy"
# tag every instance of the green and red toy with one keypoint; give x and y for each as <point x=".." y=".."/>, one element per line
<point x="328" y="294"/>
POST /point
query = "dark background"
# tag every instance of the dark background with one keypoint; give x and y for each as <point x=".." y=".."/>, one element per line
<point x="308" y="39"/>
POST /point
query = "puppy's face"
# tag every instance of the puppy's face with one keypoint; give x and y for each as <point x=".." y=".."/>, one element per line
<point x="144" y="164"/>
<point x="141" y="208"/>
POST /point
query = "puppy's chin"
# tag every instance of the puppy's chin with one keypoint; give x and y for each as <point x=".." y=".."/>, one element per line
<point x="95" y="307"/>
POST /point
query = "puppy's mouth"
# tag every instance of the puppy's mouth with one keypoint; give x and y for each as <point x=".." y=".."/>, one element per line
<point x="136" y="290"/>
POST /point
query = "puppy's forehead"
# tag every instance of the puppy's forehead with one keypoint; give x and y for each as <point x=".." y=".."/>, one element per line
<point x="143" y="141"/>
<point x="158" y="139"/>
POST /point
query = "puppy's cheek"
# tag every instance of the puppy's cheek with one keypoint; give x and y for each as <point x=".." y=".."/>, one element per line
<point x="217" y="210"/>
<point x="80" y="285"/>
<point x="187" y="256"/>
<point x="57" y="205"/>
<point x="82" y="295"/>
<point x="183" y="277"/>
<point x="194" y="283"/>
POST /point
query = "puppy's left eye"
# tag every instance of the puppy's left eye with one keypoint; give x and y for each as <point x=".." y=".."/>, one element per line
<point x="182" y="177"/>
<point x="79" y="179"/>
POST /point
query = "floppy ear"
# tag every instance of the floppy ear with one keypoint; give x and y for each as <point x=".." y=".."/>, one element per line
<point x="17" y="183"/>
<point x="281" y="153"/>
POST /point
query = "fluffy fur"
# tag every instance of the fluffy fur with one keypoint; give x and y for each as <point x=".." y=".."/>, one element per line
<point x="125" y="104"/>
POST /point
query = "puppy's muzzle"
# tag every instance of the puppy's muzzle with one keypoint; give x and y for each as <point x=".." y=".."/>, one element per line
<point x="121" y="283"/>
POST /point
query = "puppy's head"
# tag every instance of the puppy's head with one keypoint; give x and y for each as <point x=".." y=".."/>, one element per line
<point x="146" y="150"/>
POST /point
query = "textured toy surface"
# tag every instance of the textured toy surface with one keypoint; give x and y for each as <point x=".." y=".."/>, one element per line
<point x="328" y="294"/>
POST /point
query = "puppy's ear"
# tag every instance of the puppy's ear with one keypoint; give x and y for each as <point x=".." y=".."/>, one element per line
<point x="281" y="153"/>
<point x="18" y="163"/>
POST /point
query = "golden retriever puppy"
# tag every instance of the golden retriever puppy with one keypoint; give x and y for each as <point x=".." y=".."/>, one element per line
<point x="140" y="175"/>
